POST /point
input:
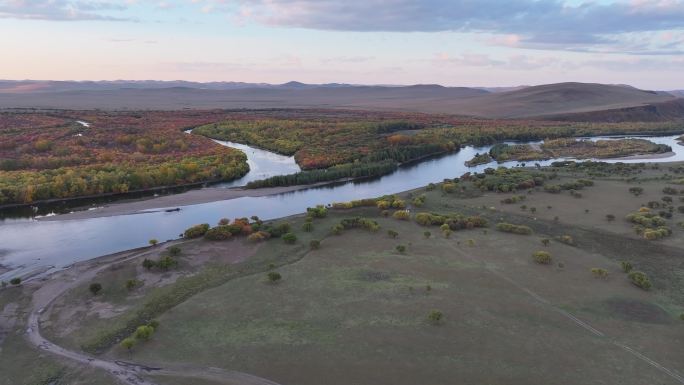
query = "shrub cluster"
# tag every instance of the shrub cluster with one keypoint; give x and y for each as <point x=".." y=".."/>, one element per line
<point x="542" y="257"/>
<point x="509" y="179"/>
<point x="515" y="229"/>
<point x="453" y="221"/>
<point x="649" y="225"/>
<point x="317" y="212"/>
<point x="196" y="231"/>
<point x="514" y="199"/>
<point x="419" y="201"/>
<point x="141" y="333"/>
<point x="639" y="279"/>
<point x="359" y="223"/>
<point x="599" y="272"/>
<point x="403" y="215"/>
<point x="218" y="233"/>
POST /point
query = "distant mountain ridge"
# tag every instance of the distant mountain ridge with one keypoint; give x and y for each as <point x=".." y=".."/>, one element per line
<point x="562" y="101"/>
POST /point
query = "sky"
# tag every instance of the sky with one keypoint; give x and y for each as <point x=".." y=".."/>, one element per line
<point x="450" y="42"/>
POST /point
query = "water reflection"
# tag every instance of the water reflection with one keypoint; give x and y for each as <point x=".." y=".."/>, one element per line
<point x="29" y="244"/>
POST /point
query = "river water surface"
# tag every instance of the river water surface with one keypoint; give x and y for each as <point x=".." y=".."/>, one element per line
<point x="28" y="245"/>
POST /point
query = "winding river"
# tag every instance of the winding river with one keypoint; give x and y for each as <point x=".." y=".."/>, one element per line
<point x="28" y="245"/>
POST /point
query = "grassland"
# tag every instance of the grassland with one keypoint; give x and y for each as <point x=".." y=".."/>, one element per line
<point x="356" y="309"/>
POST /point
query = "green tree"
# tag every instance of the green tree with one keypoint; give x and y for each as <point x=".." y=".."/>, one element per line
<point x="153" y="242"/>
<point x="542" y="257"/>
<point x="143" y="332"/>
<point x="132" y="284"/>
<point x="128" y="343"/>
<point x="15" y="281"/>
<point x="289" y="238"/>
<point x="435" y="317"/>
<point x="273" y="276"/>
<point x="639" y="279"/>
<point x="148" y="263"/>
<point x="167" y="262"/>
<point x="95" y="288"/>
<point x="401" y="248"/>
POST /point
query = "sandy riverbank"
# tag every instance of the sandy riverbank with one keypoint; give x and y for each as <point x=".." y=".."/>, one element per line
<point x="192" y="197"/>
<point x="645" y="156"/>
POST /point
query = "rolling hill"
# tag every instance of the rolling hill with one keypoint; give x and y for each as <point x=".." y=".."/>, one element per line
<point x="562" y="101"/>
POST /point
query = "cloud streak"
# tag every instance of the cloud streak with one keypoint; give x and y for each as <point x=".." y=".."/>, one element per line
<point x="532" y="23"/>
<point x="60" y="10"/>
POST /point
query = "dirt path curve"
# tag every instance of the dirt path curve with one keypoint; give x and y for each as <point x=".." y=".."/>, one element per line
<point x="126" y="372"/>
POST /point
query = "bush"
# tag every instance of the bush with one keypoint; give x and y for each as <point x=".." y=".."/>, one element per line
<point x="258" y="236"/>
<point x="167" y="262"/>
<point x="401" y="215"/>
<point x="568" y="240"/>
<point x="626" y="266"/>
<point x="435" y="316"/>
<point x="314" y="244"/>
<point x="515" y="229"/>
<point x="196" y="231"/>
<point x="599" y="272"/>
<point x="290" y="238"/>
<point x="308" y="227"/>
<point x="128" y="343"/>
<point x="148" y="264"/>
<point x="542" y="257"/>
<point x="15" y="281"/>
<point x="143" y="332"/>
<point x="401" y="248"/>
<point x="153" y="242"/>
<point x="419" y="201"/>
<point x="273" y="276"/>
<point x="636" y="191"/>
<point x="448" y="188"/>
<point x="639" y="279"/>
<point x="427" y="234"/>
<point x="610" y="217"/>
<point x="317" y="212"/>
<point x="392" y="234"/>
<point x="514" y="199"/>
<point x="337" y="229"/>
<point x="359" y="223"/>
<point x="132" y="284"/>
<point x="219" y="233"/>
<point x="95" y="288"/>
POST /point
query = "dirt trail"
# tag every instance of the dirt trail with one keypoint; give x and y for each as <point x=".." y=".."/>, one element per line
<point x="583" y="324"/>
<point x="124" y="371"/>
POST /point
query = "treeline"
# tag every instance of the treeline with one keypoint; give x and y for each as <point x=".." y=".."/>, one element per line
<point x="18" y="187"/>
<point x="410" y="152"/>
<point x="348" y="170"/>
